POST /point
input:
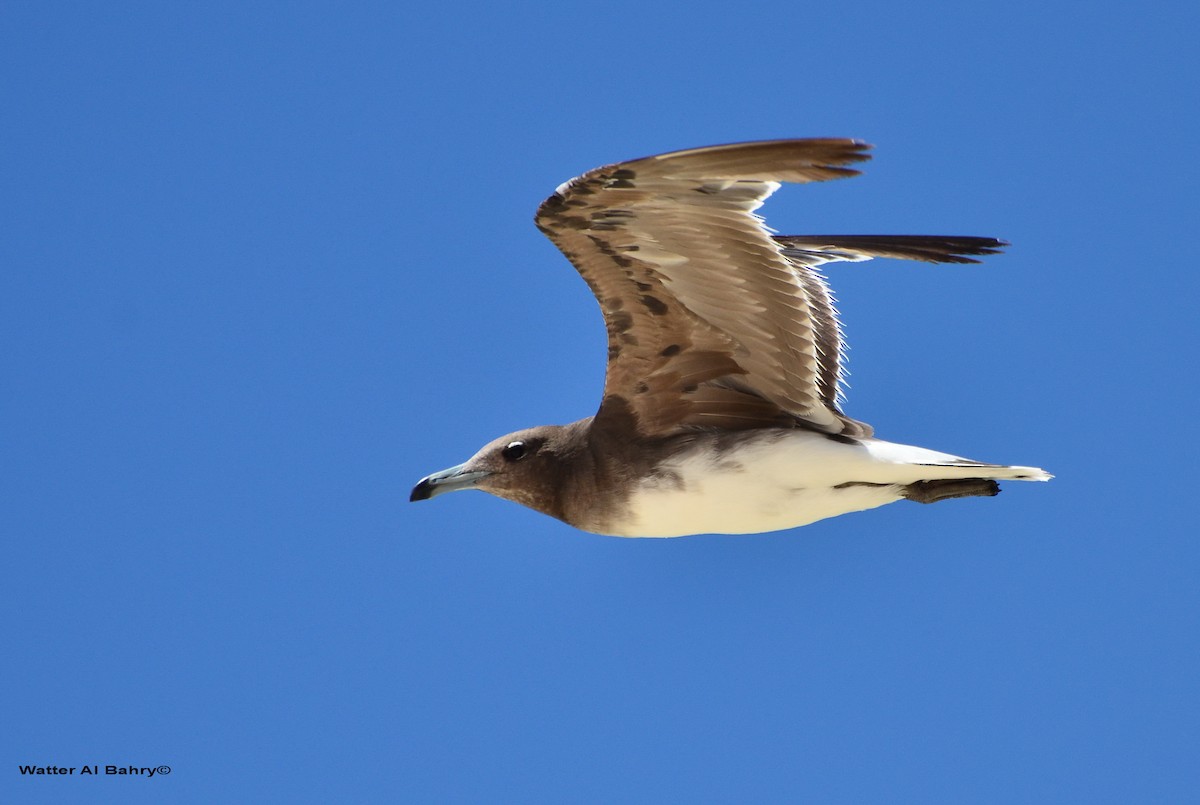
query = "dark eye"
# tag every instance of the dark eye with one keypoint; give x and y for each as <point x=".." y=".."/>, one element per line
<point x="514" y="452"/>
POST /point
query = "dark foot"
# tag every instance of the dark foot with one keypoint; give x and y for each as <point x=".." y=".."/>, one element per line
<point x="934" y="491"/>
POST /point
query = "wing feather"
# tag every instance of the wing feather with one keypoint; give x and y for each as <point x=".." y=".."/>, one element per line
<point x="712" y="321"/>
<point x="709" y="325"/>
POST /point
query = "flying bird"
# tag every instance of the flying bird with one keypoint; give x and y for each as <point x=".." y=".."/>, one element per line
<point x="721" y="398"/>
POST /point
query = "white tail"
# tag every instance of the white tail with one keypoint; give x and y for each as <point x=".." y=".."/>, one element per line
<point x="928" y="465"/>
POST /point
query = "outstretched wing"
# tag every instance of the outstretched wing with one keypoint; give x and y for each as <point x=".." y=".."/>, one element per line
<point x="808" y="252"/>
<point x="711" y="321"/>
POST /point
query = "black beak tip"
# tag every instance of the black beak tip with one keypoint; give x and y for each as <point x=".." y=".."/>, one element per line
<point x="422" y="491"/>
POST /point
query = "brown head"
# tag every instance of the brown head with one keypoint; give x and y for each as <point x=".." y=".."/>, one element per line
<point x="530" y="467"/>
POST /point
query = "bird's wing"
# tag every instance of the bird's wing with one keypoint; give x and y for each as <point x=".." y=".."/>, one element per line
<point x="817" y="249"/>
<point x="710" y="323"/>
<point x="808" y="252"/>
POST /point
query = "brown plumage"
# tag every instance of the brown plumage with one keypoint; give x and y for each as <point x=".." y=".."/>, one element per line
<point x="720" y="408"/>
<point x="713" y="322"/>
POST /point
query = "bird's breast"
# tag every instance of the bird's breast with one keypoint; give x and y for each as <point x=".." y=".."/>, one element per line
<point x="764" y="482"/>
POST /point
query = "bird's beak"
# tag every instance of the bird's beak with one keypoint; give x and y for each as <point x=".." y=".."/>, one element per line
<point x="450" y="480"/>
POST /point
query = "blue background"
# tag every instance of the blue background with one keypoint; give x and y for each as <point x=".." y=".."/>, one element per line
<point x="264" y="266"/>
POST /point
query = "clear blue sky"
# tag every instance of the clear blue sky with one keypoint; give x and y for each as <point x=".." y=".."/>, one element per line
<point x="265" y="265"/>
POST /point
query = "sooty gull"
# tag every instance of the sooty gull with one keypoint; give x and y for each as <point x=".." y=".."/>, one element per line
<point x="720" y="411"/>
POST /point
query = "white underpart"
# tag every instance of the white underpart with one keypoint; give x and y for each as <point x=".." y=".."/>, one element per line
<point x="774" y="482"/>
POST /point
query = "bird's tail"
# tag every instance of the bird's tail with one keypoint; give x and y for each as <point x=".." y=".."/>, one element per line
<point x="924" y="466"/>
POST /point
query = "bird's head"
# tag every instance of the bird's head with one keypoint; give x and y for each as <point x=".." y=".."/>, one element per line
<point x="526" y="467"/>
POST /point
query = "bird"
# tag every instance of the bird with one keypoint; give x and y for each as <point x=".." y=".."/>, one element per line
<point x="721" y="411"/>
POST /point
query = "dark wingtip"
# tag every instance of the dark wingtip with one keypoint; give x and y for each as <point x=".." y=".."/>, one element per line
<point x="926" y="248"/>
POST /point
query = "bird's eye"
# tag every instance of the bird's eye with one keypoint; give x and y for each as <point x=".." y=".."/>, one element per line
<point x="515" y="451"/>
